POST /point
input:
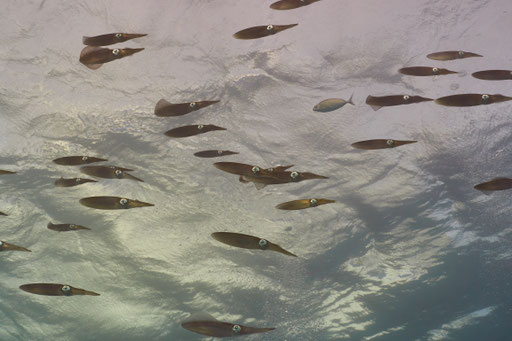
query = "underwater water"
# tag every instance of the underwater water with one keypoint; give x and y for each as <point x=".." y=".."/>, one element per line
<point x="410" y="251"/>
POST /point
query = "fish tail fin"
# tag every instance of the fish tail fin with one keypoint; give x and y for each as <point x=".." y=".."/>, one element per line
<point x="350" y="99"/>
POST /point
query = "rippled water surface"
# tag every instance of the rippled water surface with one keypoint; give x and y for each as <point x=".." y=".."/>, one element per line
<point x="409" y="252"/>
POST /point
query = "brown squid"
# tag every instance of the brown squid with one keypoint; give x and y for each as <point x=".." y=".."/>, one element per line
<point x="94" y="57"/>
<point x="380" y="144"/>
<point x="52" y="289"/>
<point x="112" y="203"/>
<point x="192" y="130"/>
<point x="166" y="109"/>
<point x="246" y="241"/>
<point x="377" y="102"/>
<point x="469" y="100"/>
<point x="205" y="324"/>
<point x="109" y="39"/>
<point x="261" y="31"/>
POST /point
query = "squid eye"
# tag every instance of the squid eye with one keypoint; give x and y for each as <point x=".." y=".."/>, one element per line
<point x="1" y="243"/>
<point x="219" y="152"/>
<point x="115" y="51"/>
<point x="123" y="201"/>
<point x="485" y="97"/>
<point x="435" y="70"/>
<point x="294" y="175"/>
<point x="66" y="289"/>
<point x="78" y="179"/>
<point x="270" y="27"/>
<point x="192" y="104"/>
<point x="461" y="53"/>
<point x="118" y="172"/>
<point x="255" y="169"/>
<point x="84" y="158"/>
<point x="72" y="226"/>
<point x="119" y="35"/>
<point x="200" y="126"/>
<point x="390" y="143"/>
<point x="236" y="328"/>
<point x="313" y="202"/>
<point x="263" y="243"/>
<point x="406" y="97"/>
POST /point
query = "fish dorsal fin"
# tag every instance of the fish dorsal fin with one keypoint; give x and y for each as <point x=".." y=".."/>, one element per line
<point x="259" y="185"/>
<point x="89" y="49"/>
<point x="375" y="107"/>
<point x="161" y="104"/>
<point x="202" y="316"/>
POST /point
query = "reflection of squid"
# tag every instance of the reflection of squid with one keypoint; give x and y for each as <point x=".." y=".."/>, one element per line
<point x="291" y="4"/>
<point x="109" y="172"/>
<point x="112" y="203"/>
<point x="496" y="184"/>
<point x="303" y="203"/>
<point x="52" y="289"/>
<point x="166" y="109"/>
<point x="94" y="57"/>
<point x="424" y="71"/>
<point x="65" y="227"/>
<point x="451" y="55"/>
<point x="469" y="100"/>
<point x="377" y="102"/>
<point x="261" y="31"/>
<point x="192" y="130"/>
<point x="493" y="75"/>
<point x="77" y="160"/>
<point x="248" y="242"/>
<point x="11" y="247"/>
<point x="3" y="172"/>
<point x="206" y="324"/>
<point x="72" y="182"/>
<point x="380" y="144"/>
<point x="109" y="39"/>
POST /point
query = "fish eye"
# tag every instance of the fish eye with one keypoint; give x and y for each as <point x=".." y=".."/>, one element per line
<point x="66" y="289"/>
<point x="263" y="243"/>
<point x="313" y="202"/>
<point x="294" y="175"/>
<point x="435" y="70"/>
<point x="219" y="152"/>
<point x="123" y="201"/>
<point x="461" y="53"/>
<point x="119" y="35"/>
<point x="390" y="143"/>
<point x="78" y="179"/>
<point x="236" y="328"/>
<point x="200" y="126"/>
<point x="84" y="158"/>
<point x="406" y="97"/>
<point x="485" y="97"/>
<point x="255" y="169"/>
<point x="270" y="27"/>
<point x="115" y="51"/>
<point x="118" y="172"/>
<point x="192" y="104"/>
